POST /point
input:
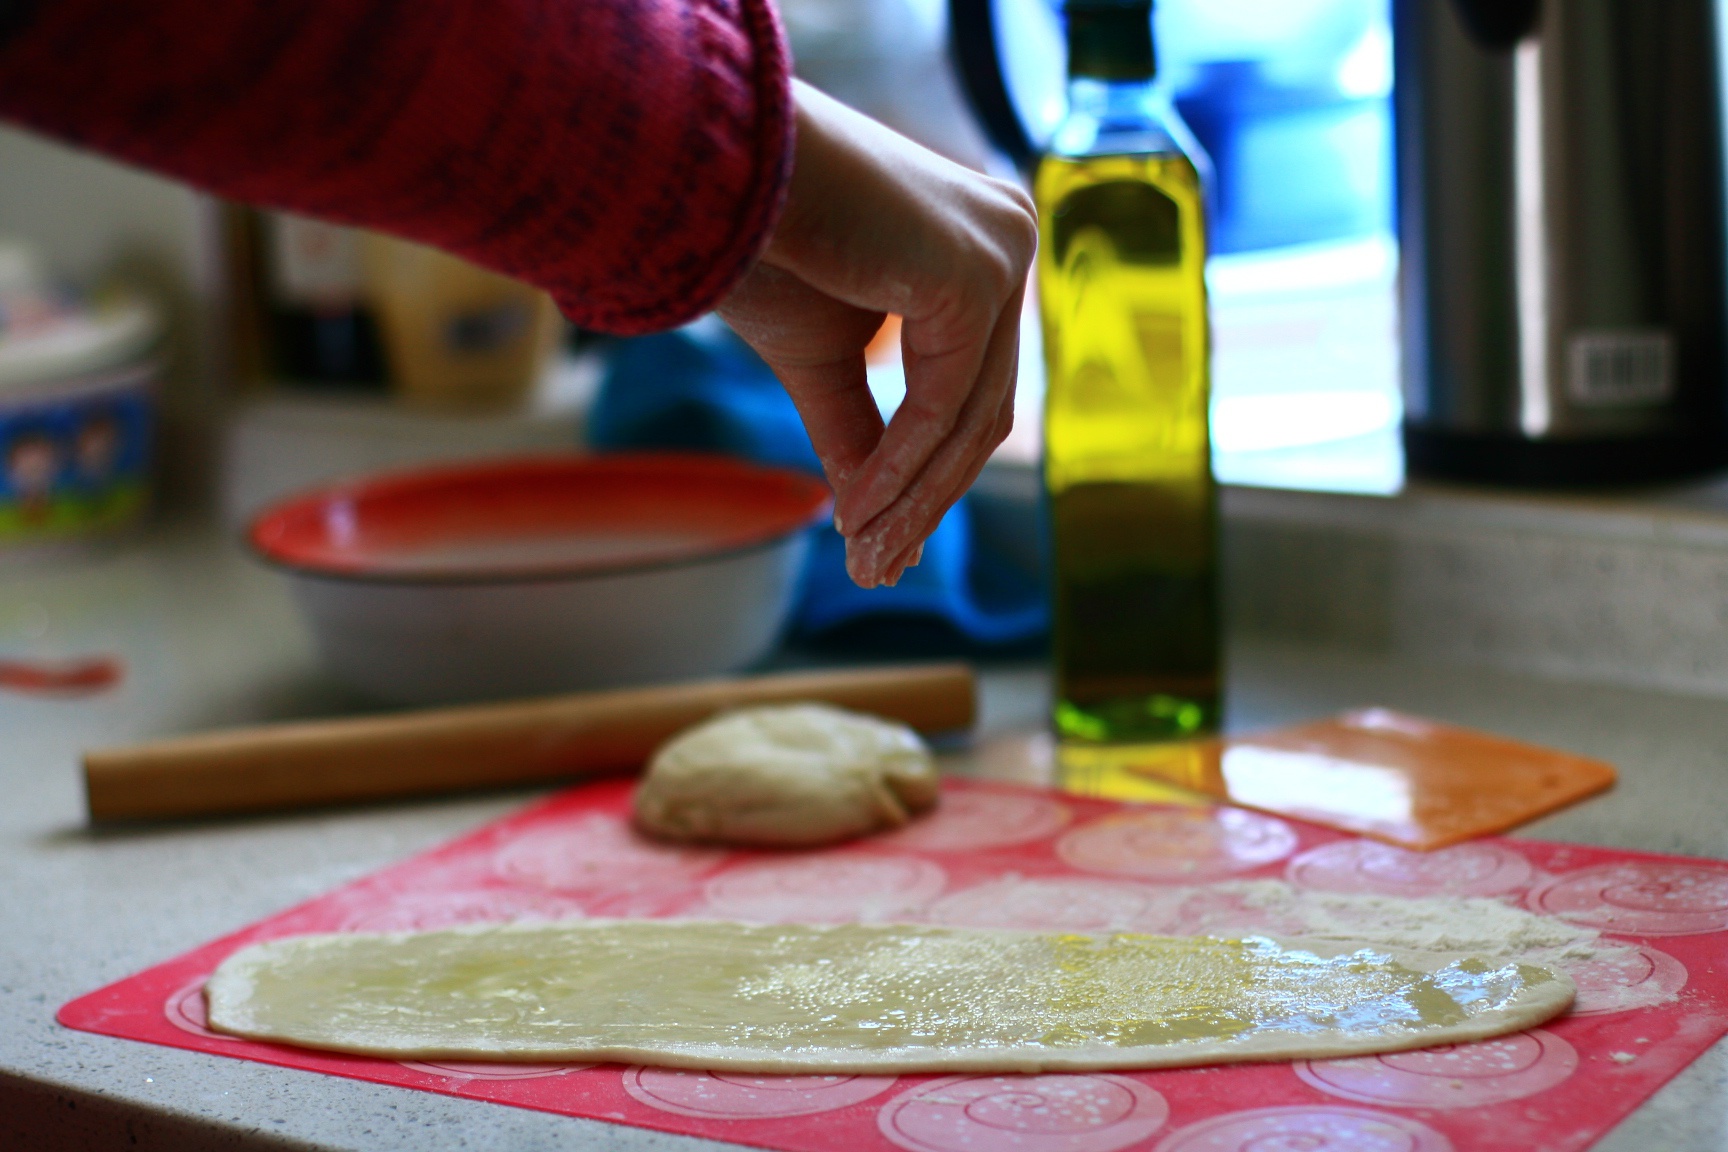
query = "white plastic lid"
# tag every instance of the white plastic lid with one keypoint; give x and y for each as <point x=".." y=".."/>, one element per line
<point x="45" y="337"/>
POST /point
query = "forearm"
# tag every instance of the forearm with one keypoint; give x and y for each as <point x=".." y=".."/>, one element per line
<point x="629" y="156"/>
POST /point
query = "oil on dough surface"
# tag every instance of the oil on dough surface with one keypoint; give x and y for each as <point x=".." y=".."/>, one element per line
<point x="863" y="998"/>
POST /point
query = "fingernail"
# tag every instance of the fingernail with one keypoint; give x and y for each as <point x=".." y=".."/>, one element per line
<point x="917" y="556"/>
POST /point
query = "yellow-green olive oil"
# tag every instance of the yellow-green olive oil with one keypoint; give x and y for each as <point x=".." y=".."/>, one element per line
<point x="1127" y="455"/>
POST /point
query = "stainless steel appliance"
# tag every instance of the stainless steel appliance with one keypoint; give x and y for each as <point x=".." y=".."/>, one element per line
<point x="1560" y="172"/>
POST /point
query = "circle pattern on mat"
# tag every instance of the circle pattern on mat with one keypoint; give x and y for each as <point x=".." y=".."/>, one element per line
<point x="1366" y="866"/>
<point x="1450" y="1076"/>
<point x="465" y="1070"/>
<point x="424" y="911"/>
<point x="970" y="821"/>
<point x="1049" y="1113"/>
<point x="1306" y="1129"/>
<point x="1623" y="980"/>
<point x="185" y="1010"/>
<point x="731" y="1096"/>
<point x="1178" y="844"/>
<point x="1073" y="904"/>
<point x="1639" y="898"/>
<point x="599" y="854"/>
<point x="826" y="888"/>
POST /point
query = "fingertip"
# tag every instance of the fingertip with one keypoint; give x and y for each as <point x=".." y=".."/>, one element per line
<point x="861" y="572"/>
<point x="862" y="504"/>
<point x="908" y="560"/>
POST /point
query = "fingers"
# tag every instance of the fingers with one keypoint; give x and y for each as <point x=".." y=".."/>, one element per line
<point x="839" y="413"/>
<point x="916" y="554"/>
<point x="947" y="342"/>
<point x="875" y="547"/>
<point x="915" y="513"/>
<point x="910" y="559"/>
<point x="874" y="223"/>
<point x="939" y="385"/>
<point x="814" y="344"/>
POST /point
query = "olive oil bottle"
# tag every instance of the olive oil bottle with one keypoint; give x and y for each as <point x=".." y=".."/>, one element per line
<point x="1127" y="454"/>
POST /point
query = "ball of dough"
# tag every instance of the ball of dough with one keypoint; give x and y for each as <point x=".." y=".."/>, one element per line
<point x="787" y="777"/>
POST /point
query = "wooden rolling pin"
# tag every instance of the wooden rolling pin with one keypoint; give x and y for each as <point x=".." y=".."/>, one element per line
<point x="324" y="762"/>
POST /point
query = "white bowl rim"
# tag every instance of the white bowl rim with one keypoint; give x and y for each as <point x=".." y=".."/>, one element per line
<point x="503" y="578"/>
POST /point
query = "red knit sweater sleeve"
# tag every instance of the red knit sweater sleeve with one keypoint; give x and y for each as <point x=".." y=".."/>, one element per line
<point x="629" y="156"/>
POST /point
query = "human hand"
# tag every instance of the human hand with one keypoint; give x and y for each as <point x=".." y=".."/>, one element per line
<point x="876" y="224"/>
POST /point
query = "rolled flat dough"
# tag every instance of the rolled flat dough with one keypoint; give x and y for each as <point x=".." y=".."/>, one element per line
<point x="794" y="776"/>
<point x="856" y="998"/>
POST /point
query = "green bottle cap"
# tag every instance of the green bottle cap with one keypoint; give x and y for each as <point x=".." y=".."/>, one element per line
<point x="1110" y="40"/>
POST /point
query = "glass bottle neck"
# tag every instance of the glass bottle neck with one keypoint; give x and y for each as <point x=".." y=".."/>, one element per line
<point x="1113" y="116"/>
<point x="1112" y="100"/>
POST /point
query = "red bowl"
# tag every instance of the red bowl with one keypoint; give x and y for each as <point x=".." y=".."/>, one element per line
<point x="551" y="574"/>
<point x="538" y="518"/>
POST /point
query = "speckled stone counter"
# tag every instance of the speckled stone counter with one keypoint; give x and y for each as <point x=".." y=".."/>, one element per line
<point x="211" y="640"/>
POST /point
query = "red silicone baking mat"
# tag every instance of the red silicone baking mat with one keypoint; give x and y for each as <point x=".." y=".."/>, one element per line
<point x="1001" y="855"/>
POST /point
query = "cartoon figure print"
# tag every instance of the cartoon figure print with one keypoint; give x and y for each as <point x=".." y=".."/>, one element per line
<point x="33" y="461"/>
<point x="96" y="450"/>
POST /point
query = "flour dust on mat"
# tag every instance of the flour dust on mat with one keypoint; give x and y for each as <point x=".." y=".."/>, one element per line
<point x="1471" y="924"/>
<point x="1465" y="924"/>
<point x="855" y="998"/>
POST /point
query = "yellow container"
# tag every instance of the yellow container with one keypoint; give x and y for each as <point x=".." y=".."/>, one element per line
<point x="457" y="337"/>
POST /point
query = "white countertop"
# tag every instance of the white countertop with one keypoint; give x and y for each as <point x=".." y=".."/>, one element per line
<point x="211" y="640"/>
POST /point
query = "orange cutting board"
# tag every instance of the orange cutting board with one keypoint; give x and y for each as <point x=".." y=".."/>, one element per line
<point x="1380" y="773"/>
